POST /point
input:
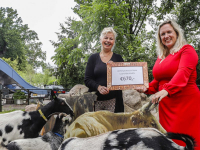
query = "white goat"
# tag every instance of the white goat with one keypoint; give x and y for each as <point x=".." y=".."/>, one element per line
<point x="129" y="139"/>
<point x="49" y="141"/>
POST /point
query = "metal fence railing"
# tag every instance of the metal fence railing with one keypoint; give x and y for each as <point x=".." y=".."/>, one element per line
<point x="22" y="96"/>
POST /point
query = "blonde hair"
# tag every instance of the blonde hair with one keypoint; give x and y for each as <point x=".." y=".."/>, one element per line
<point x="108" y="30"/>
<point x="161" y="48"/>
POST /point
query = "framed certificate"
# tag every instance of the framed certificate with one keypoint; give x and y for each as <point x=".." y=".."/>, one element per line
<point x="127" y="75"/>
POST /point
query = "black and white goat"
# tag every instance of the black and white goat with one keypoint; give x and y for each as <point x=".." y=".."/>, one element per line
<point x="22" y="125"/>
<point x="49" y="141"/>
<point x="129" y="139"/>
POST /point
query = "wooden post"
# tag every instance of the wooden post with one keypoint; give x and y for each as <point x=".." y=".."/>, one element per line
<point x="0" y="101"/>
<point x="28" y="96"/>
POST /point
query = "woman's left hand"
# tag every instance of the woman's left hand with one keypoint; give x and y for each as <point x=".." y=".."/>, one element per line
<point x="141" y="89"/>
<point x="159" y="96"/>
<point x="103" y="90"/>
<point x="110" y="61"/>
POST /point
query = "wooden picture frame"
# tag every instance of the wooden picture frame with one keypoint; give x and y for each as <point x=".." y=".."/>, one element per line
<point x="127" y="75"/>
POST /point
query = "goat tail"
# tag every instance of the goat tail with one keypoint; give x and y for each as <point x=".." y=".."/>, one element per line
<point x="189" y="140"/>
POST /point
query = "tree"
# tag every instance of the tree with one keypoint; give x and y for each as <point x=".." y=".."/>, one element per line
<point x="13" y="64"/>
<point x="31" y="76"/>
<point x="129" y="18"/>
<point x="69" y="59"/>
<point x="21" y="49"/>
<point x="190" y="21"/>
<point x="78" y="39"/>
<point x="35" y="55"/>
<point x="15" y="37"/>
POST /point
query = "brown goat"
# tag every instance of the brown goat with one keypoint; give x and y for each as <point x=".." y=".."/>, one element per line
<point x="94" y="123"/>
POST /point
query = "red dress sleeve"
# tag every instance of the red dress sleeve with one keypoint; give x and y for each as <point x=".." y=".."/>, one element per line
<point x="188" y="62"/>
<point x="153" y="87"/>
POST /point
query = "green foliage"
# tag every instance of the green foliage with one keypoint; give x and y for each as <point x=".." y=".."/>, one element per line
<point x="190" y="23"/>
<point x="70" y="63"/>
<point x="19" y="95"/>
<point x="37" y="79"/>
<point x="31" y="76"/>
<point x="78" y="39"/>
<point x="47" y="78"/>
<point x="127" y="17"/>
<point x="20" y="48"/>
<point x="187" y="15"/>
<point x="35" y="55"/>
<point x="18" y="42"/>
<point x="13" y="64"/>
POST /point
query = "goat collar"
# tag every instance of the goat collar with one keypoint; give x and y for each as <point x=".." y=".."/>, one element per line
<point x="42" y="115"/>
<point x="59" y="135"/>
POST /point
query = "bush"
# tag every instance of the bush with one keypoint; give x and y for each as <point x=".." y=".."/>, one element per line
<point x="19" y="95"/>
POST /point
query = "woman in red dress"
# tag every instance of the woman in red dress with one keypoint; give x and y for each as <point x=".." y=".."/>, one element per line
<point x="174" y="85"/>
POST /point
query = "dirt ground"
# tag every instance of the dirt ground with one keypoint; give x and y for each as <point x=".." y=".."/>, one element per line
<point x="7" y="107"/>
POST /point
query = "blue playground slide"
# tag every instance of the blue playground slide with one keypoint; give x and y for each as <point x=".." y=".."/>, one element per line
<point x="12" y="80"/>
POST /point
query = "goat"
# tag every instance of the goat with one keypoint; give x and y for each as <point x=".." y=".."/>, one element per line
<point x="94" y="123"/>
<point x="49" y="141"/>
<point x="22" y="125"/>
<point x="129" y="139"/>
<point x="79" y="104"/>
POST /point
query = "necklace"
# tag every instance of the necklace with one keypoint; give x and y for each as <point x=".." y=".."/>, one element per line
<point x="103" y="55"/>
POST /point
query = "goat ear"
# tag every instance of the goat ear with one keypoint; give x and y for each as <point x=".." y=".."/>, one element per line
<point x="53" y="95"/>
<point x="134" y="119"/>
<point x="62" y="115"/>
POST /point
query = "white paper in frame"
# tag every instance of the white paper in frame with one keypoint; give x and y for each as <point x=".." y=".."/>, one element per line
<point x="127" y="75"/>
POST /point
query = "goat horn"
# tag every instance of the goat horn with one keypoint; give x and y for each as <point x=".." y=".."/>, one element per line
<point x="56" y="113"/>
<point x="152" y="105"/>
<point x="146" y="107"/>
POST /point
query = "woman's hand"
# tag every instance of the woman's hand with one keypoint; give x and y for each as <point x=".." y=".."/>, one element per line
<point x="103" y="90"/>
<point x="141" y="89"/>
<point x="110" y="61"/>
<point x="159" y="96"/>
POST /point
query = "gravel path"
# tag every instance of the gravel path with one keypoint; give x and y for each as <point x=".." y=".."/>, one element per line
<point x="7" y="107"/>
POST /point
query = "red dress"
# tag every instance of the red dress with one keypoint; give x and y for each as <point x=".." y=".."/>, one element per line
<point x="179" y="112"/>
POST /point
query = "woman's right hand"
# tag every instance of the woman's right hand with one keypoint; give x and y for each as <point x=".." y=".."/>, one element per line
<point x="103" y="90"/>
<point x="141" y="89"/>
<point x="159" y="96"/>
